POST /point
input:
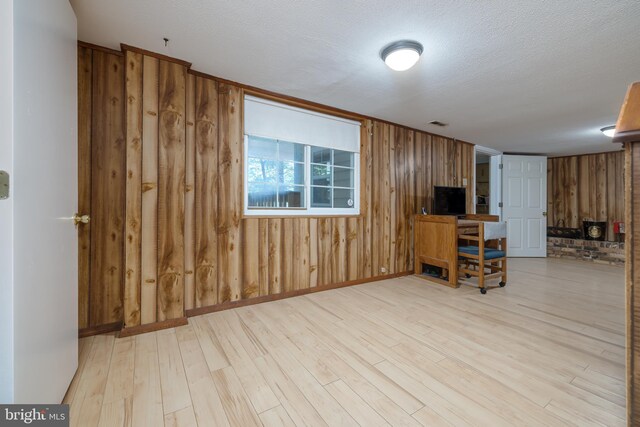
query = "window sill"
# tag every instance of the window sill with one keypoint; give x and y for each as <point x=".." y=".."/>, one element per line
<point x="294" y="216"/>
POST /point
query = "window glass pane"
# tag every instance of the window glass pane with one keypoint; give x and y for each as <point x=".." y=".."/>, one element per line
<point x="343" y="177"/>
<point x="320" y="175"/>
<point x="262" y="195"/>
<point x="263" y="148"/>
<point x="320" y="197"/>
<point x="277" y="171"/>
<point x="291" y="173"/>
<point x="343" y="198"/>
<point x="291" y="196"/>
<point x="343" y="158"/>
<point x="320" y="155"/>
<point x="260" y="170"/>
<point x="291" y="151"/>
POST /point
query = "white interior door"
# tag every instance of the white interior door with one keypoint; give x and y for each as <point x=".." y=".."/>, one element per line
<point x="524" y="197"/>
<point x="6" y="205"/>
<point x="44" y="198"/>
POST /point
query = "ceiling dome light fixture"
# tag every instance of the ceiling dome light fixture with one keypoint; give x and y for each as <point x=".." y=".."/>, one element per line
<point x="401" y="55"/>
<point x="609" y="131"/>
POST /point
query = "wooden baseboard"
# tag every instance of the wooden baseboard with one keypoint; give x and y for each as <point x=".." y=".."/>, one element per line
<point x="100" y="329"/>
<point x="151" y="327"/>
<point x="257" y="300"/>
<point x="172" y="323"/>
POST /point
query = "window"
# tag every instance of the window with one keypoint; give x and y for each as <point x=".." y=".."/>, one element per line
<point x="285" y="176"/>
<point x="332" y="178"/>
<point x="299" y="162"/>
<point x="275" y="174"/>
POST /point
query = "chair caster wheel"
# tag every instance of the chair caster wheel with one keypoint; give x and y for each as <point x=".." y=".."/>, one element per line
<point x="483" y="291"/>
<point x="502" y="284"/>
<point x="467" y="275"/>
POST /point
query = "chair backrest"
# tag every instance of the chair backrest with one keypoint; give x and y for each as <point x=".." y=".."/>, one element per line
<point x="495" y="230"/>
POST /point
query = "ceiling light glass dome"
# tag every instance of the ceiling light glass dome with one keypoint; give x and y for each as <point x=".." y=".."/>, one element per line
<point x="401" y="55"/>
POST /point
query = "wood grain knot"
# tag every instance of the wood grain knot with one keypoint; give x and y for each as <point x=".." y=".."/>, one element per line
<point x="146" y="186"/>
<point x="171" y="118"/>
<point x="225" y="159"/>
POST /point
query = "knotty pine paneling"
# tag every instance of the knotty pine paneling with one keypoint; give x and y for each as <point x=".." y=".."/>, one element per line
<point x="149" y="228"/>
<point x="229" y="193"/>
<point x="171" y="189"/>
<point x="108" y="173"/>
<point x="366" y="191"/>
<point x="189" y="196"/>
<point x="586" y="187"/>
<point x="85" y="61"/>
<point x="133" y="209"/>
<point x="206" y="185"/>
<point x="184" y="197"/>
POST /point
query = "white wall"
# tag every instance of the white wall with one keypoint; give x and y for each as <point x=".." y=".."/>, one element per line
<point x="6" y="206"/>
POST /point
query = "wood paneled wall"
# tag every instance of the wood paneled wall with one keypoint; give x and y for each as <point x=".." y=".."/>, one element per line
<point x="186" y="243"/>
<point x="101" y="180"/>
<point x="588" y="186"/>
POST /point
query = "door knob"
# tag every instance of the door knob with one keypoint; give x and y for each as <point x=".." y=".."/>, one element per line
<point x="77" y="219"/>
<point x="544" y="214"/>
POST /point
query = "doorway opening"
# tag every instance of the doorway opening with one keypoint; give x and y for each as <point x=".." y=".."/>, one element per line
<point x="488" y="182"/>
<point x="482" y="183"/>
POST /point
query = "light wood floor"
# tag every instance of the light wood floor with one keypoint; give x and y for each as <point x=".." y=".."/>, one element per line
<point x="546" y="350"/>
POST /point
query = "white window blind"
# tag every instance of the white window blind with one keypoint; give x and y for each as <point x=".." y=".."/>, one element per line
<point x="269" y="119"/>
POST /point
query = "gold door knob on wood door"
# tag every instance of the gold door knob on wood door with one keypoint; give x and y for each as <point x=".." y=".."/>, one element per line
<point x="84" y="219"/>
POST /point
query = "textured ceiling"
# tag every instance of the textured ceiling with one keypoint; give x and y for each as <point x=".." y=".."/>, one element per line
<point x="515" y="75"/>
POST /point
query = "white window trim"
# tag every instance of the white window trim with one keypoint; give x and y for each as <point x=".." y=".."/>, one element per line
<point x="307" y="210"/>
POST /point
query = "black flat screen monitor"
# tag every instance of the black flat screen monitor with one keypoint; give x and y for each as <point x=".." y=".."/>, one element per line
<point x="449" y="201"/>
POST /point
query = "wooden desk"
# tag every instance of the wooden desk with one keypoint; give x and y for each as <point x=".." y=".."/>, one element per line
<point x="436" y="243"/>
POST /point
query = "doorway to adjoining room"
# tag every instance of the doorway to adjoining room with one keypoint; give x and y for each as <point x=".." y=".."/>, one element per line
<point x="488" y="181"/>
